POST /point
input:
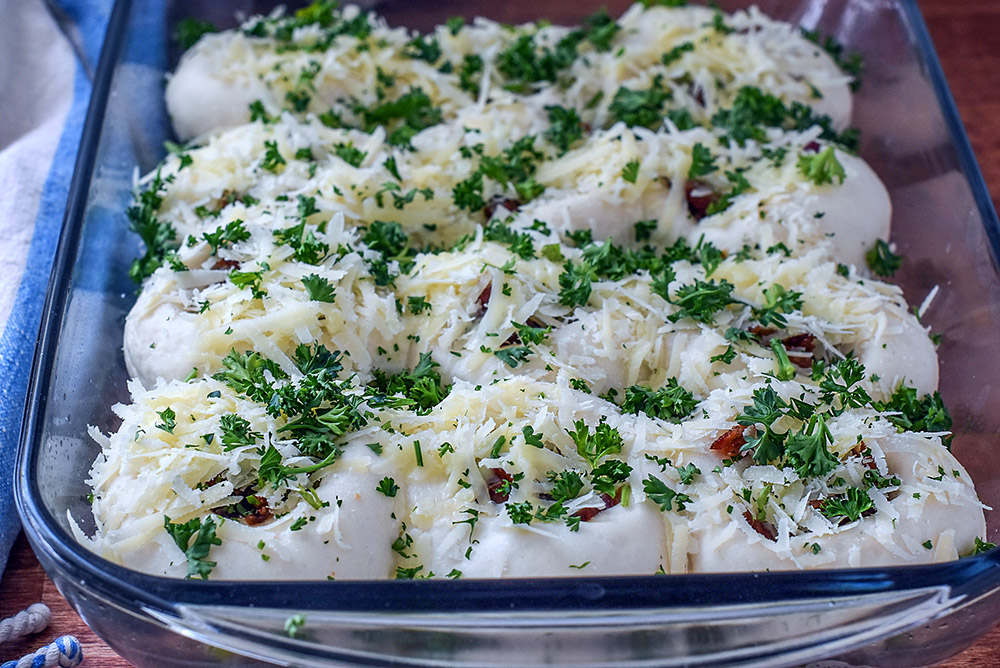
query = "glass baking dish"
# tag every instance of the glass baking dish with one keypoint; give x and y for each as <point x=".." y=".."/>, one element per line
<point x="943" y="222"/>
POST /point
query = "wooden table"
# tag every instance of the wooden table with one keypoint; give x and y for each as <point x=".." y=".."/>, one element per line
<point x="966" y="35"/>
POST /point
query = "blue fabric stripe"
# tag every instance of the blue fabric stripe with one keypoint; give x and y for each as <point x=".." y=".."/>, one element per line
<point x="18" y="339"/>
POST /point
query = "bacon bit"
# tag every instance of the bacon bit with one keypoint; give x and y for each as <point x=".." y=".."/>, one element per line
<point x="730" y="442"/>
<point x="698" y="93"/>
<point x="700" y="196"/>
<point x="226" y="264"/>
<point x="765" y="529"/>
<point x="500" y="200"/>
<point x="762" y="332"/>
<point x="500" y="492"/>
<point x="587" y="514"/>
<point x="261" y="513"/>
<point x="483" y="300"/>
<point x="867" y="458"/>
<point x="251" y="509"/>
<point x="804" y="343"/>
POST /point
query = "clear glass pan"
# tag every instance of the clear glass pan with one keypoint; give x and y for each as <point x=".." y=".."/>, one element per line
<point x="943" y="222"/>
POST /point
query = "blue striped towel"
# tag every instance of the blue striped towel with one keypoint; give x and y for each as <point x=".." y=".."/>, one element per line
<point x="48" y="51"/>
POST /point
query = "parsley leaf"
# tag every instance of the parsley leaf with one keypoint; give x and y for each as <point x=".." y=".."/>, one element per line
<point x="233" y="232"/>
<point x="196" y="551"/>
<point x="307" y="248"/>
<point x="821" y="168"/>
<point x="850" y="506"/>
<point x="807" y="450"/>
<point x="702" y="161"/>
<point x="188" y="31"/>
<point x="676" y="53"/>
<point x="247" y="374"/>
<point x="520" y="243"/>
<point x="566" y="485"/>
<point x="777" y="300"/>
<point x="688" y="472"/>
<point x="927" y="413"/>
<point x="319" y="288"/>
<point x="882" y="261"/>
<point x="768" y="407"/>
<point x="387" y="486"/>
<point x="158" y="236"/>
<point x="468" y="73"/>
<point x="606" y="477"/>
<point x="671" y="402"/>
<point x="423" y="48"/>
<point x="701" y="301"/>
<point x="249" y="279"/>
<point x="349" y="154"/>
<point x="272" y="158"/>
<point x="630" y="172"/>
<point x="422" y="388"/>
<point x="531" y="335"/>
<point x="236" y="432"/>
<point x="640" y="107"/>
<point x="169" y="420"/>
<point x="575" y="283"/>
<point x="513" y="355"/>
<point x="520" y="513"/>
<point x="663" y="496"/>
<point x="402" y="118"/>
<point x="593" y="447"/>
<point x="565" y="127"/>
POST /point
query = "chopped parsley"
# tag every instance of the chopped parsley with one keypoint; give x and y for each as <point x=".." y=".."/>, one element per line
<point x="640" y="107"/>
<point x="565" y="127"/>
<point x="605" y="440"/>
<point x="236" y="432"/>
<point x="349" y="154"/>
<point x="195" y="539"/>
<point x="701" y="300"/>
<point x="233" y="232"/>
<point x="882" y="261"/>
<point x="319" y="288"/>
<point x="676" y="53"/>
<point x="909" y="412"/>
<point x="702" y="161"/>
<point x="273" y="159"/>
<point x="663" y="496"/>
<point x="420" y="389"/>
<point x="848" y="506"/>
<point x="777" y="301"/>
<point x="158" y="236"/>
<point x="387" y="486"/>
<point x="630" y="172"/>
<point x="671" y="402"/>
<point x="821" y="168"/>
<point x="188" y="31"/>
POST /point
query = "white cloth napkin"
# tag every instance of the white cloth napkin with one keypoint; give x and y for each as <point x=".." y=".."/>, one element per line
<point x="47" y="53"/>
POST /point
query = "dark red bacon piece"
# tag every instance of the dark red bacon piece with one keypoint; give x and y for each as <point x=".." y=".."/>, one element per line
<point x="499" y="487"/>
<point x="498" y="201"/>
<point x="700" y="196"/>
<point x="729" y="443"/>
<point x="765" y="529"/>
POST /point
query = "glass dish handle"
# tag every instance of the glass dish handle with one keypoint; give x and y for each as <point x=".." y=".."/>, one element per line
<point x="783" y="633"/>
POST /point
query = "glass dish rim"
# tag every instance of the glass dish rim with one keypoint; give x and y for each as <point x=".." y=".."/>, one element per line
<point x="583" y="594"/>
